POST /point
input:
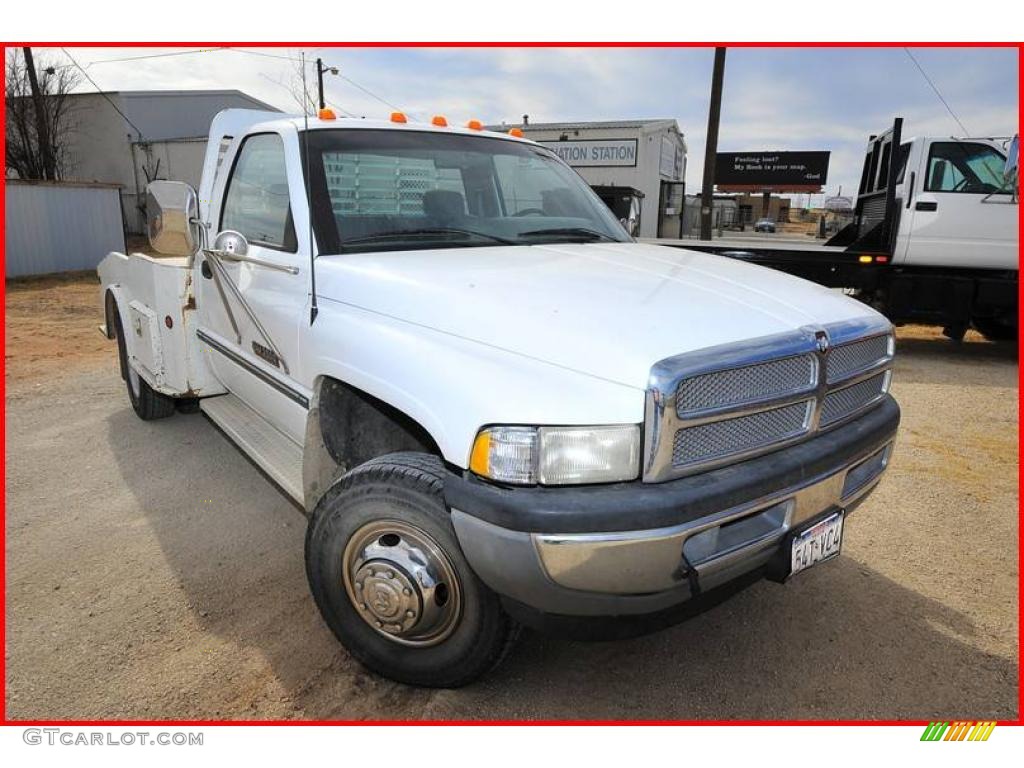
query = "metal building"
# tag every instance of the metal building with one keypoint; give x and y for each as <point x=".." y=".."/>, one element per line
<point x="631" y="164"/>
<point x="130" y="138"/>
<point x="59" y="226"/>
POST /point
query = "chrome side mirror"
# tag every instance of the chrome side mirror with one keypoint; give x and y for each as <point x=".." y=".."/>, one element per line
<point x="230" y="244"/>
<point x="172" y="212"/>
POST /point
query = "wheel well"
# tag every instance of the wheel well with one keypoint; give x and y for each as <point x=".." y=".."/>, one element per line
<point x="358" y="427"/>
<point x="347" y="427"/>
<point x="109" y="308"/>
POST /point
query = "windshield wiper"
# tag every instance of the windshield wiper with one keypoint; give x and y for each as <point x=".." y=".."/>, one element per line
<point x="574" y="232"/>
<point x="400" y="234"/>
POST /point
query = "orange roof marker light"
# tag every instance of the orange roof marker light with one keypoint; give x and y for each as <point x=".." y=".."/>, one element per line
<point x="475" y="125"/>
<point x="326" y="114"/>
<point x="517" y="132"/>
<point x="439" y="121"/>
<point x="398" y="117"/>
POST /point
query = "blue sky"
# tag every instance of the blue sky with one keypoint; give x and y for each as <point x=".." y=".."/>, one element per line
<point x="774" y="98"/>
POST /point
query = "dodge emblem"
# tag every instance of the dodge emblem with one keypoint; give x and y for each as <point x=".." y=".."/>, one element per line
<point x="821" y="339"/>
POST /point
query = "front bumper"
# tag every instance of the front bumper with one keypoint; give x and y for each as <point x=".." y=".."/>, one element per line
<point x="638" y="548"/>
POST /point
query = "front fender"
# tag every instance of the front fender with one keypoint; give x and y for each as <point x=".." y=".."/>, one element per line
<point x="453" y="386"/>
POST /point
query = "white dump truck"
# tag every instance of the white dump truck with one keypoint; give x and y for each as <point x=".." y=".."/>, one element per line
<point x="494" y="406"/>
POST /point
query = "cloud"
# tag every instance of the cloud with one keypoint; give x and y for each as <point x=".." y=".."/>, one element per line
<point x="774" y="98"/>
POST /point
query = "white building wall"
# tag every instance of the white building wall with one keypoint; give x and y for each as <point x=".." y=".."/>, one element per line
<point x="645" y="176"/>
<point x="105" y="146"/>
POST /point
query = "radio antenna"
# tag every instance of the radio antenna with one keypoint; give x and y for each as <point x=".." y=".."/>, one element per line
<point x="313" y="309"/>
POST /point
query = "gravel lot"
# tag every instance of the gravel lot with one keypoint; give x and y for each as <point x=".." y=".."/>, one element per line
<point x="152" y="572"/>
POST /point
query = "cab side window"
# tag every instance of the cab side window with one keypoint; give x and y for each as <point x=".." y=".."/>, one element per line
<point x="256" y="203"/>
<point x="960" y="166"/>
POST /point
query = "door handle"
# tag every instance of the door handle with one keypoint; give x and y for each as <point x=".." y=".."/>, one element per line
<point x="925" y="205"/>
<point x="205" y="269"/>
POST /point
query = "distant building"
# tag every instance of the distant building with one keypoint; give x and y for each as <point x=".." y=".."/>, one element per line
<point x="130" y="138"/>
<point x="751" y="208"/>
<point x="839" y="203"/>
<point x="633" y="165"/>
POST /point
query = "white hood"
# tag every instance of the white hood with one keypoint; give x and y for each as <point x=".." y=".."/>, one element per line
<point x="608" y="310"/>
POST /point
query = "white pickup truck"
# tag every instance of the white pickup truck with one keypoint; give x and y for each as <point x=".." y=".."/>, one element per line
<point x="493" y="405"/>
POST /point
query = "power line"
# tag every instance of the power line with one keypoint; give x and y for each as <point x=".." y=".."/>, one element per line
<point x="263" y="54"/>
<point x="349" y="80"/>
<point x="282" y="85"/>
<point x="102" y="93"/>
<point x="147" y="56"/>
<point x="157" y="55"/>
<point x="937" y="93"/>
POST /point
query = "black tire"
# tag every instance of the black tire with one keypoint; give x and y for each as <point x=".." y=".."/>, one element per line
<point x="994" y="330"/>
<point x="187" y="404"/>
<point x="404" y="487"/>
<point x="147" y="403"/>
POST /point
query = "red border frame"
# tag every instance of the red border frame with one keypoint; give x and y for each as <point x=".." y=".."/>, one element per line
<point x="489" y="44"/>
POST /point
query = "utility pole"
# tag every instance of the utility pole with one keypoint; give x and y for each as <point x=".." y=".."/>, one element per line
<point x="711" y="148"/>
<point x="42" y="134"/>
<point x="320" y="82"/>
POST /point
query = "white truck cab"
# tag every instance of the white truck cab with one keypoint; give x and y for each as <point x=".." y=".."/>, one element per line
<point x="958" y="211"/>
<point x="493" y="405"/>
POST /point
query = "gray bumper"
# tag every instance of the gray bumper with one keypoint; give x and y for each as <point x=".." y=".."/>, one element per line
<point x="636" y="572"/>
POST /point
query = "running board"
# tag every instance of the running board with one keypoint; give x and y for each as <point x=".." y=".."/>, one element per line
<point x="273" y="451"/>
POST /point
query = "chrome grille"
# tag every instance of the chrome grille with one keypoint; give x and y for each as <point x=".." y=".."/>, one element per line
<point x="723" y="404"/>
<point x="847" y="401"/>
<point x="750" y="383"/>
<point x="744" y="433"/>
<point x="847" y="359"/>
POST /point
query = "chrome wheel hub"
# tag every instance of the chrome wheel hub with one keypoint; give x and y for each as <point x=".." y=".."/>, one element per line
<point x="402" y="583"/>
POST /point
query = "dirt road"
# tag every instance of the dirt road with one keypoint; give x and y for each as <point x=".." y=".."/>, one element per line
<point x="153" y="573"/>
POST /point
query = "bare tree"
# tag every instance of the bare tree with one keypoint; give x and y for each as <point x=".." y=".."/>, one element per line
<point x="299" y="89"/>
<point x="24" y="154"/>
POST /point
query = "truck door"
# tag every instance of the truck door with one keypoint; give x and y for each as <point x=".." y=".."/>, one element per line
<point x="953" y="218"/>
<point x="250" y="308"/>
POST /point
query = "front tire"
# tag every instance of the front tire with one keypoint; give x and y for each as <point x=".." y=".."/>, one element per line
<point x="390" y="579"/>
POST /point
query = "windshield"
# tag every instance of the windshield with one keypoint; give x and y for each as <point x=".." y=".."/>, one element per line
<point x="375" y="190"/>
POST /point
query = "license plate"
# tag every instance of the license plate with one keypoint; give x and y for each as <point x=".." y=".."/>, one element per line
<point x="819" y="542"/>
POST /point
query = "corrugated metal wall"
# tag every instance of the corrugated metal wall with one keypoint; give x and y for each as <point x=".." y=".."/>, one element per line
<point x="60" y="227"/>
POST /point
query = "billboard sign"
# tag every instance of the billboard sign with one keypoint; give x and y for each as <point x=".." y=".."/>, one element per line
<point x="775" y="171"/>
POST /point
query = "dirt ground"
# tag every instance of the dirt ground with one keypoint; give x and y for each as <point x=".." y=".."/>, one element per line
<point x="152" y="572"/>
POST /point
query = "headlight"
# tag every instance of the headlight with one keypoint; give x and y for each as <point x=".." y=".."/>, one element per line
<point x="557" y="455"/>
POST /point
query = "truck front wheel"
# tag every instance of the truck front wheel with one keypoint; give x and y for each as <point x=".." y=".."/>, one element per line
<point x="390" y="580"/>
